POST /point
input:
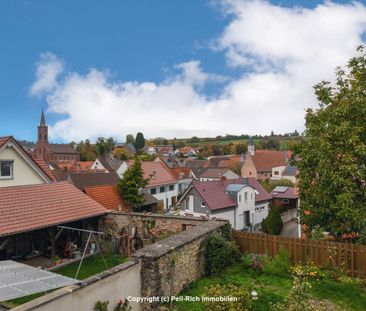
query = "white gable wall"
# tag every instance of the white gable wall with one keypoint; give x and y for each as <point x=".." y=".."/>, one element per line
<point x="23" y="172"/>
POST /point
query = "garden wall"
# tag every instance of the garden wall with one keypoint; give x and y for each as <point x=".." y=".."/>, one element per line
<point x="150" y="227"/>
<point x="168" y="266"/>
<point x="112" y="285"/>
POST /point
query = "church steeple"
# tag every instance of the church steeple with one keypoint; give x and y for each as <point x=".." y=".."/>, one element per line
<point x="251" y="146"/>
<point x="43" y="119"/>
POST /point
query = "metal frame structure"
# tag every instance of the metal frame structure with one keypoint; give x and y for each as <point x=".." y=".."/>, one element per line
<point x="91" y="235"/>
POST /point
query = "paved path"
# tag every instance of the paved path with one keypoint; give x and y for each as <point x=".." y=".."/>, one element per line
<point x="290" y="230"/>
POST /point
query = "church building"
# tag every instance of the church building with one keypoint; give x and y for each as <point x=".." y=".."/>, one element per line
<point x="52" y="152"/>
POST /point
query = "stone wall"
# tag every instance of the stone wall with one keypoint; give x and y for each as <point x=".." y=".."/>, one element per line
<point x="168" y="266"/>
<point x="150" y="227"/>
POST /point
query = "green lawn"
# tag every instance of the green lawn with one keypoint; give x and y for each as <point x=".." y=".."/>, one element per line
<point x="271" y="288"/>
<point x="91" y="265"/>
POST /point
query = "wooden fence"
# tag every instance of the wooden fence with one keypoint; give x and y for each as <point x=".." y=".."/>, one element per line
<point x="323" y="253"/>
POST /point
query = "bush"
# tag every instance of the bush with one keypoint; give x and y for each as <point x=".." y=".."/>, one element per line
<point x="254" y="262"/>
<point x="279" y="264"/>
<point x="243" y="298"/>
<point x="272" y="224"/>
<point x="219" y="253"/>
<point x="308" y="271"/>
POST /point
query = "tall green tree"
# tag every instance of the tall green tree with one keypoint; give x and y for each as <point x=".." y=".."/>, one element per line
<point x="332" y="160"/>
<point x="139" y="141"/>
<point x="131" y="185"/>
<point x="130" y="139"/>
<point x="104" y="146"/>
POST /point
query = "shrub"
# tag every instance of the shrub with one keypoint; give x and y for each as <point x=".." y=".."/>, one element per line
<point x="279" y="264"/>
<point x="101" y="306"/>
<point x="272" y="224"/>
<point x="297" y="299"/>
<point x="219" y="253"/>
<point x="123" y="306"/>
<point x="243" y="299"/>
<point x="308" y="271"/>
<point x="254" y="262"/>
<point x="317" y="233"/>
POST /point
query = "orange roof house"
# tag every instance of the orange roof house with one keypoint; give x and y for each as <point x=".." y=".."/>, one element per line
<point x="259" y="163"/>
<point x="108" y="196"/>
<point x="31" y="207"/>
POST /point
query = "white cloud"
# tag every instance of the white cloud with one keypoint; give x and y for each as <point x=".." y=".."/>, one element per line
<point x="282" y="53"/>
<point x="48" y="69"/>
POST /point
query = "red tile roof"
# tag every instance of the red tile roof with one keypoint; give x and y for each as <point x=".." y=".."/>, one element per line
<point x="108" y="196"/>
<point x="157" y="173"/>
<point x="216" y="173"/>
<point x="31" y="207"/>
<point x="44" y="167"/>
<point x="214" y="192"/>
<point x="181" y="172"/>
<point x="229" y="162"/>
<point x="265" y="160"/>
<point x="4" y="139"/>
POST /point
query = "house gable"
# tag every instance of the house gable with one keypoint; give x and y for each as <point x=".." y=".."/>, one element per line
<point x="25" y="170"/>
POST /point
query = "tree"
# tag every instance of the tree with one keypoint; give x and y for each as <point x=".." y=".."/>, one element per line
<point x="104" y="146"/>
<point x="131" y="184"/>
<point x="227" y="149"/>
<point x="87" y="151"/>
<point x="271" y="143"/>
<point x="130" y="139"/>
<point x="140" y="141"/>
<point x="332" y="161"/>
<point x="273" y="223"/>
<point x="241" y="148"/>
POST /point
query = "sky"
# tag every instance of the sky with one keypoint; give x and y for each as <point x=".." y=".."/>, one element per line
<point x="168" y="68"/>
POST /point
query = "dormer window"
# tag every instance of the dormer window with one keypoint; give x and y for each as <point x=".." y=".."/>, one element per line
<point x="203" y="204"/>
<point x="6" y="169"/>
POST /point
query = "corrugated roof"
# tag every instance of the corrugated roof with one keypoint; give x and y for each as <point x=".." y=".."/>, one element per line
<point x="31" y="207"/>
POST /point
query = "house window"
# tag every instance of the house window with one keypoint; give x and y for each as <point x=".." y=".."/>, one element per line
<point x="171" y="188"/>
<point x="162" y="189"/>
<point x="6" y="169"/>
<point x="239" y="197"/>
<point x="285" y="201"/>
<point x="153" y="190"/>
<point x="245" y="196"/>
<point x="186" y="205"/>
<point x="276" y="172"/>
<point x="203" y="204"/>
